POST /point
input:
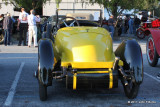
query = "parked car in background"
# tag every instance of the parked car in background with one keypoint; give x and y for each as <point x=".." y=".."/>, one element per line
<point x="1" y="30"/>
<point x="153" y="46"/>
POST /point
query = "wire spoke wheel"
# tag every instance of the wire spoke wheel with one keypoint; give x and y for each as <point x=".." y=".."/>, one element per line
<point x="1" y="38"/>
<point x="140" y="34"/>
<point x="152" y="55"/>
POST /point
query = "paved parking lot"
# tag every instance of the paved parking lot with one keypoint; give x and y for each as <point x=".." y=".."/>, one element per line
<point x="18" y="87"/>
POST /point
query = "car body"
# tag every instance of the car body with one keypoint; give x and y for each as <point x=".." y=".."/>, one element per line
<point x="81" y="53"/>
<point x="153" y="45"/>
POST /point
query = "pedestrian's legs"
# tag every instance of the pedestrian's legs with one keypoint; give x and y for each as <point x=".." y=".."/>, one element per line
<point x="123" y="29"/>
<point x="130" y="29"/>
<point x="25" y="33"/>
<point x="5" y="37"/>
<point x="136" y="26"/>
<point x="30" y="36"/>
<point x="35" y="36"/>
<point x="20" y="35"/>
<point x="134" y="29"/>
<point x="111" y="29"/>
<point x="8" y="36"/>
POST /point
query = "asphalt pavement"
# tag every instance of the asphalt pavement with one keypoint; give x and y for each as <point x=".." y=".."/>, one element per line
<point x="19" y="88"/>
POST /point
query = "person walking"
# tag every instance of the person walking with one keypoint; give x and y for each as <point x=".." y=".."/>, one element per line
<point x="32" y="19"/>
<point x="7" y="26"/>
<point x="111" y="24"/>
<point x="137" y="22"/>
<point x="23" y="26"/>
<point x="130" y="22"/>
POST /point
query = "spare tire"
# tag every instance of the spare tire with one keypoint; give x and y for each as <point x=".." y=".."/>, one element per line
<point x="1" y="38"/>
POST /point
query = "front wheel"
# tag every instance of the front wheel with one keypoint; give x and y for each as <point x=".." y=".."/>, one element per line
<point x="1" y="38"/>
<point x="152" y="55"/>
<point x="42" y="92"/>
<point x="140" y="34"/>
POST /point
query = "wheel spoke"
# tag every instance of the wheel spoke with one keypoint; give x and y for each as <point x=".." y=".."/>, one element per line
<point x="72" y="24"/>
<point x="151" y="49"/>
<point x="65" y="23"/>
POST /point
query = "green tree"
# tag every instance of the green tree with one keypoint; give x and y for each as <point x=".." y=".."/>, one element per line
<point x="27" y="4"/>
<point x="116" y="7"/>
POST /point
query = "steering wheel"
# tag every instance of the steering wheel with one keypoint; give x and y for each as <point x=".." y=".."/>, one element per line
<point x="65" y="23"/>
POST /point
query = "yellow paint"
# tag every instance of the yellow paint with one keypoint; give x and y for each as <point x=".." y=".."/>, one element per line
<point x="110" y="78"/>
<point x="55" y="61"/>
<point x="84" y="44"/>
<point x="120" y="63"/>
<point x="88" y="64"/>
<point x="91" y="72"/>
<point x="74" y="81"/>
<point x="85" y="47"/>
<point x="84" y="55"/>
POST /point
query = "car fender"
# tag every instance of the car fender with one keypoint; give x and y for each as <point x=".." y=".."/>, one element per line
<point x="156" y="37"/>
<point x="45" y="61"/>
<point x="130" y="53"/>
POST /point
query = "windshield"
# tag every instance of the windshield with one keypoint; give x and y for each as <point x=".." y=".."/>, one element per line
<point x="82" y="14"/>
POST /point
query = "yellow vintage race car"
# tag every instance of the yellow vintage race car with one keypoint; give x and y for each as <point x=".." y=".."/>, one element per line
<point x="81" y="52"/>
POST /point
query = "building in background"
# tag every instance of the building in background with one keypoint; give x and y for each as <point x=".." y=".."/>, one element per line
<point x="4" y="9"/>
<point x="50" y="7"/>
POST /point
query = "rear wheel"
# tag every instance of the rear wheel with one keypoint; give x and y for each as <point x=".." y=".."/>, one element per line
<point x="152" y="55"/>
<point x="140" y="34"/>
<point x="42" y="92"/>
<point x="131" y="90"/>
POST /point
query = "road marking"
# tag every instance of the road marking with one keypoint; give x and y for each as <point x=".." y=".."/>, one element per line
<point x="13" y="87"/>
<point x="152" y="77"/>
<point x="18" y="57"/>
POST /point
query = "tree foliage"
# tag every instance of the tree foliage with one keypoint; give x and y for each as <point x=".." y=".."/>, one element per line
<point x="116" y="7"/>
<point x="151" y="4"/>
<point x="27" y="4"/>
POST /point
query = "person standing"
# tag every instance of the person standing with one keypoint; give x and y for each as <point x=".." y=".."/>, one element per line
<point x="7" y="26"/>
<point x="130" y="22"/>
<point x="23" y="26"/>
<point x="32" y="19"/>
<point x="126" y="24"/>
<point x="137" y="22"/>
<point x="111" y="24"/>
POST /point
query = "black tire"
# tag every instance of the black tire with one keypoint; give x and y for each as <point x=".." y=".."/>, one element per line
<point x="131" y="90"/>
<point x="140" y="34"/>
<point x="42" y="92"/>
<point x="152" y="55"/>
<point x="1" y="38"/>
